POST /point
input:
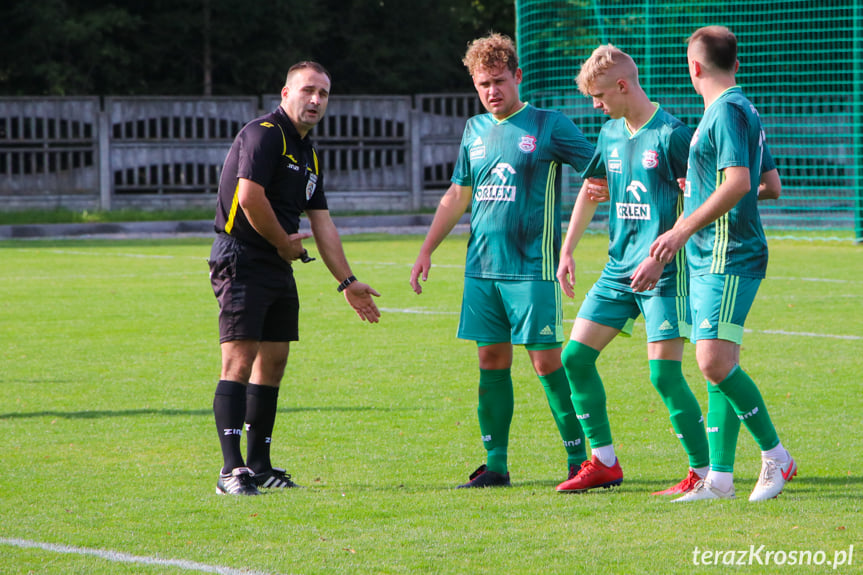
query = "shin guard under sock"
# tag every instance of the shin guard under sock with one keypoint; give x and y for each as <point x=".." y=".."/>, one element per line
<point x="559" y="398"/>
<point x="229" y="409"/>
<point x="496" y="403"/>
<point x="683" y="409"/>
<point x="723" y="427"/>
<point x="588" y="393"/>
<point x="744" y="397"/>
<point x="261" y="402"/>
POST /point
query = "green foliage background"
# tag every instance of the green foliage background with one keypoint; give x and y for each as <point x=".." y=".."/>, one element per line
<point x="114" y="47"/>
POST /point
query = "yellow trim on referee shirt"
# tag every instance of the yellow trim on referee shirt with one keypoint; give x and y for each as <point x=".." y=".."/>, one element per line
<point x="284" y="142"/>
<point x="235" y="203"/>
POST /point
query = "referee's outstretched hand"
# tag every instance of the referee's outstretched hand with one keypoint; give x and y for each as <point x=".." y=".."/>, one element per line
<point x="359" y="296"/>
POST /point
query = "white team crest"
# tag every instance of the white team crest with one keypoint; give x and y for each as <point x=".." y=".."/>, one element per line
<point x="650" y="159"/>
<point x="527" y="144"/>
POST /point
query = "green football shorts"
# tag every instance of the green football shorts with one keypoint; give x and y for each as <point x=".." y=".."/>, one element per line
<point x="521" y="312"/>
<point x="720" y="304"/>
<point x="665" y="317"/>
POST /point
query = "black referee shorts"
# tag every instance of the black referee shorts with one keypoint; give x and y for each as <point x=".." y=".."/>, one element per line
<point x="256" y="292"/>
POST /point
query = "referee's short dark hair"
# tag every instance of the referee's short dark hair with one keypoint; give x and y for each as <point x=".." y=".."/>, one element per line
<point x="304" y="65"/>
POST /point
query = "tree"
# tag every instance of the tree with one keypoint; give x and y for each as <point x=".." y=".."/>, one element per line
<point x="187" y="47"/>
<point x="59" y="47"/>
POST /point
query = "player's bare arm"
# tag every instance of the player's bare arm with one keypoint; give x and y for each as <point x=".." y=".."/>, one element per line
<point x="255" y="205"/>
<point x="770" y="187"/>
<point x="582" y="214"/>
<point x="452" y="207"/>
<point x="329" y="244"/>
<point x="720" y="202"/>
<point x="597" y="189"/>
<point x="646" y="274"/>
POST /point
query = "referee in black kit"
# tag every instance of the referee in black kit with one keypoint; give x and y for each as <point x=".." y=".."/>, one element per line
<point x="271" y="175"/>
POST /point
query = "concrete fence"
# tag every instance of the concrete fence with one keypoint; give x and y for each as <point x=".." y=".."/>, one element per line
<point x="379" y="153"/>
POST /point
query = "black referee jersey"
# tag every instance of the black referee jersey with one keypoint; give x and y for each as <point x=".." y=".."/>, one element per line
<point x="270" y="152"/>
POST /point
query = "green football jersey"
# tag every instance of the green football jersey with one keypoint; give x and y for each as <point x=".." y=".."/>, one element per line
<point x="645" y="199"/>
<point x="514" y="168"/>
<point x="729" y="134"/>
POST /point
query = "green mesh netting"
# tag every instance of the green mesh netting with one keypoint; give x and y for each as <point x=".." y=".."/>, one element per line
<point x="801" y="64"/>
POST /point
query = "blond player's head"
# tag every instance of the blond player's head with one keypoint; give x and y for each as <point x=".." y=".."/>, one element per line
<point x="610" y="78"/>
<point x="607" y="64"/>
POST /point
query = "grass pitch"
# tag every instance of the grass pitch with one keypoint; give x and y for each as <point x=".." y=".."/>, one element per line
<point x="110" y="455"/>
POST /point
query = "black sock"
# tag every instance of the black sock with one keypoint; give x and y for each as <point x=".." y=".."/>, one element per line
<point x="229" y="407"/>
<point x="261" y="401"/>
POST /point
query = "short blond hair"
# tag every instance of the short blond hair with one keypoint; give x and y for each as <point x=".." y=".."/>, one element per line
<point x="604" y="60"/>
<point x="491" y="52"/>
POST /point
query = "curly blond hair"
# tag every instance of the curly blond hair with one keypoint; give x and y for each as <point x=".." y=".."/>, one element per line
<point x="605" y="60"/>
<point x="491" y="52"/>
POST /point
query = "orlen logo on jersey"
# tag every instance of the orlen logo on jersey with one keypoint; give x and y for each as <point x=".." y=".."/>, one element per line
<point x="498" y="192"/>
<point x="635" y="187"/>
<point x="634" y="211"/>
<point x="527" y="144"/>
<point x="650" y="159"/>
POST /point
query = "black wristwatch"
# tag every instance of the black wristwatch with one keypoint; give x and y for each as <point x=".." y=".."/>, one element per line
<point x="346" y="283"/>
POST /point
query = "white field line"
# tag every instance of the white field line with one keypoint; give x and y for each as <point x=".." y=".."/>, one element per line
<point x="804" y="334"/>
<point x="118" y="557"/>
<point x="420" y="311"/>
<point x="826" y="280"/>
<point x="423" y="311"/>
<point x="121" y="255"/>
<point x="384" y="263"/>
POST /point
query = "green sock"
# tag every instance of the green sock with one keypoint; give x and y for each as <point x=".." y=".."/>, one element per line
<point x="560" y="401"/>
<point x="744" y="397"/>
<point x="683" y="409"/>
<point x="495" y="414"/>
<point x="588" y="393"/>
<point x="723" y="427"/>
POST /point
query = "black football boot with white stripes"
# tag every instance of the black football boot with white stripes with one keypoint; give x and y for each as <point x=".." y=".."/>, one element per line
<point x="275" y="478"/>
<point x="240" y="481"/>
